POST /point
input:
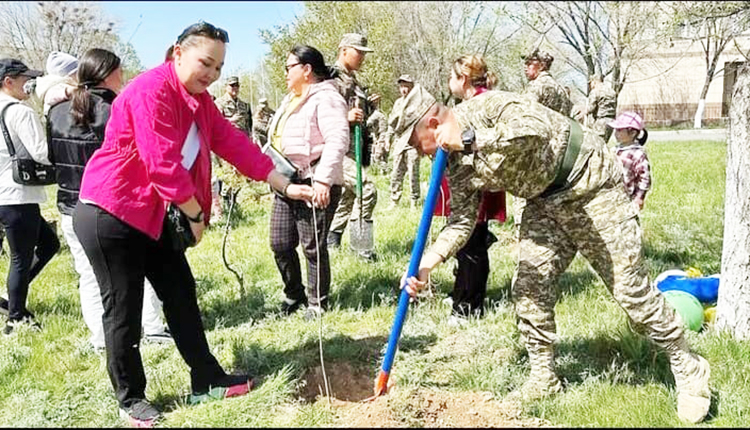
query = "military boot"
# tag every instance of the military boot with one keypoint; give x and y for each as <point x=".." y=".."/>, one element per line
<point x="691" y="374"/>
<point x="542" y="380"/>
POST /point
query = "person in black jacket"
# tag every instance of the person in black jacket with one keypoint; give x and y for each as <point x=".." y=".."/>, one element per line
<point x="75" y="129"/>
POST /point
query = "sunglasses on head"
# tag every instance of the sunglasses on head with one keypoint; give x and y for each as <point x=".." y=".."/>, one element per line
<point x="204" y="29"/>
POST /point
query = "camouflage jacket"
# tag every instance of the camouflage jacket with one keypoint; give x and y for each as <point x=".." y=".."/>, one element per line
<point x="520" y="145"/>
<point x="377" y="125"/>
<point x="602" y="102"/>
<point x="261" y="121"/>
<point x="229" y="107"/>
<point x="547" y="91"/>
<point x="398" y="106"/>
<point x="350" y="89"/>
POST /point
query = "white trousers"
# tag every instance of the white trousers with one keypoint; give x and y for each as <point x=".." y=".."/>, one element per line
<point x="91" y="298"/>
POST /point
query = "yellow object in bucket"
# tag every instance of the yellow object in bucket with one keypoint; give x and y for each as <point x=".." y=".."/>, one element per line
<point x="709" y="314"/>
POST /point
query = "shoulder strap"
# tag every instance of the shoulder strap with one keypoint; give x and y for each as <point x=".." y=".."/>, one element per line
<point x="6" y="134"/>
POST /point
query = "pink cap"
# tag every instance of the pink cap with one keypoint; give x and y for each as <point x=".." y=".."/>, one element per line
<point x="627" y="120"/>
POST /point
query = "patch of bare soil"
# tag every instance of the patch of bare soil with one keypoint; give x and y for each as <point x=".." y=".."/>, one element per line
<point x="350" y="390"/>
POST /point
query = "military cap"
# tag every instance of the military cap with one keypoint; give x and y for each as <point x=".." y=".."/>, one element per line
<point x="541" y="56"/>
<point x="356" y="41"/>
<point x="416" y="105"/>
<point x="405" y="78"/>
<point x="13" y="67"/>
<point x="233" y="80"/>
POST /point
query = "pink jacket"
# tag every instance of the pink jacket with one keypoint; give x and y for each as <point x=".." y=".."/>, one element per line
<point x="138" y="171"/>
<point x="318" y="128"/>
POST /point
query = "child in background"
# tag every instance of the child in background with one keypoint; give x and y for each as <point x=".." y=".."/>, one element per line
<point x="59" y="82"/>
<point x="631" y="137"/>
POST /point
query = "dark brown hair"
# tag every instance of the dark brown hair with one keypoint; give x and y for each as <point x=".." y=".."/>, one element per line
<point x="93" y="68"/>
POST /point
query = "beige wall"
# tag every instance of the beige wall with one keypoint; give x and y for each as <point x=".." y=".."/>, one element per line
<point x="665" y="86"/>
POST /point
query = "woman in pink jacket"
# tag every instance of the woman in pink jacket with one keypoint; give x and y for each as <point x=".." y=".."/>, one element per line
<point x="156" y="152"/>
<point x="311" y="129"/>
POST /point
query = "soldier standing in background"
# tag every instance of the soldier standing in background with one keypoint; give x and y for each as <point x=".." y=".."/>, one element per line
<point x="405" y="158"/>
<point x="234" y="109"/>
<point x="601" y="107"/>
<point x="351" y="55"/>
<point x="576" y="201"/>
<point x="543" y="88"/>
<point x="261" y="120"/>
<point x="377" y="126"/>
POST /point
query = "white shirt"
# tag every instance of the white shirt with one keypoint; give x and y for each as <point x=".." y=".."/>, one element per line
<point x="24" y="128"/>
<point x="191" y="147"/>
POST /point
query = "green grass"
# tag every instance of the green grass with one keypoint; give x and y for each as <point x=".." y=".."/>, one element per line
<point x="613" y="377"/>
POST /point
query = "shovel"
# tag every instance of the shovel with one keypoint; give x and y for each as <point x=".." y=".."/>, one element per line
<point x="361" y="239"/>
<point x="436" y="176"/>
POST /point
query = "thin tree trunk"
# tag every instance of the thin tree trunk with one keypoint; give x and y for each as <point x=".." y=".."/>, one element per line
<point x="733" y="307"/>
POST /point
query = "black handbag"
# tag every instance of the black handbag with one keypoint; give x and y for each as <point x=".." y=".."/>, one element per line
<point x="26" y="171"/>
<point x="176" y="231"/>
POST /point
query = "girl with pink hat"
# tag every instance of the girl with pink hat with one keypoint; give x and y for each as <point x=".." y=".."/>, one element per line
<point x="631" y="137"/>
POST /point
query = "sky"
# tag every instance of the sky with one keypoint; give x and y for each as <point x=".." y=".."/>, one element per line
<point x="151" y="26"/>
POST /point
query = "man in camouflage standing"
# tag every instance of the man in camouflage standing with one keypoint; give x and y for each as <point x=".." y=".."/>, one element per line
<point x="543" y="88"/>
<point x="601" y="107"/>
<point x="405" y="158"/>
<point x="261" y="120"/>
<point x="572" y="184"/>
<point x="234" y="109"/>
<point x="351" y="55"/>
<point x="377" y="126"/>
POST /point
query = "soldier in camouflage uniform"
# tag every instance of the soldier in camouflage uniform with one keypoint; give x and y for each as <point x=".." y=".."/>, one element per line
<point x="600" y="108"/>
<point x="543" y="88"/>
<point x="405" y="158"/>
<point x="377" y="125"/>
<point x="261" y="121"/>
<point x="234" y="109"/>
<point x="575" y="203"/>
<point x="351" y="55"/>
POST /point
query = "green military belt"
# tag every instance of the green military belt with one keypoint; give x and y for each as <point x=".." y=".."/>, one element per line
<point x="569" y="159"/>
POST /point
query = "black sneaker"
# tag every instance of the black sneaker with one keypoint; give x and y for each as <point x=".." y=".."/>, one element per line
<point x="27" y="321"/>
<point x="4" y="306"/>
<point x="334" y="239"/>
<point x="290" y="306"/>
<point x="163" y="337"/>
<point x="140" y="414"/>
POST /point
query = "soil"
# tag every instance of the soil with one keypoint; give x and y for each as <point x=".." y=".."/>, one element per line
<point x="351" y="399"/>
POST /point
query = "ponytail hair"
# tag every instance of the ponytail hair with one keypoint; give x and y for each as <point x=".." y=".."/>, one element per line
<point x="307" y="54"/>
<point x="474" y="68"/>
<point x="641" y="137"/>
<point x="93" y="68"/>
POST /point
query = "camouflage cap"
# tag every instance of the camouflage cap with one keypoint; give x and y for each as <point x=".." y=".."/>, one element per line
<point x="356" y="41"/>
<point x="541" y="56"/>
<point x="233" y="80"/>
<point x="415" y="106"/>
<point x="405" y="78"/>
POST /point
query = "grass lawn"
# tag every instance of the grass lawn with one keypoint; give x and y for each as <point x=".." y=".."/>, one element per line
<point x="443" y="375"/>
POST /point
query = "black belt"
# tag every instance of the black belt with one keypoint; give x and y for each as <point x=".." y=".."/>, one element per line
<point x="569" y="159"/>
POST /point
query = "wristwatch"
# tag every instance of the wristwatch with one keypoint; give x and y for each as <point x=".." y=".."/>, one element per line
<point x="198" y="218"/>
<point x="468" y="138"/>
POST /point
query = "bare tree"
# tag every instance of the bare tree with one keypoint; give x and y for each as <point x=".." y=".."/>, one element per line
<point x="714" y="25"/>
<point x="733" y="307"/>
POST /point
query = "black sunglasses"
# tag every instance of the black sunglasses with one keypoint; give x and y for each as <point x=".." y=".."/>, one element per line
<point x="204" y="29"/>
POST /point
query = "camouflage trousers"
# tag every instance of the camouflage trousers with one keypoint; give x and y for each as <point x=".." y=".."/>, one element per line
<point x="605" y="229"/>
<point x="349" y="208"/>
<point x="406" y="160"/>
<point x="380" y="155"/>
<point x="601" y="128"/>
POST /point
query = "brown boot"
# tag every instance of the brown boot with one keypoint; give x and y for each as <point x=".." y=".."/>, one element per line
<point x="691" y="374"/>
<point x="542" y="380"/>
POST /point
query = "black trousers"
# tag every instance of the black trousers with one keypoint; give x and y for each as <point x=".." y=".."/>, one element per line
<point x="292" y="225"/>
<point x="470" y="287"/>
<point x="121" y="257"/>
<point x="32" y="244"/>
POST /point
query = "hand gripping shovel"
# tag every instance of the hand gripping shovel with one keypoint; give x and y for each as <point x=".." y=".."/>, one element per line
<point x="433" y="191"/>
<point x="361" y="239"/>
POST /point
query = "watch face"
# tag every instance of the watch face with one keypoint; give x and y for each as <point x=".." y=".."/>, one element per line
<point x="468" y="136"/>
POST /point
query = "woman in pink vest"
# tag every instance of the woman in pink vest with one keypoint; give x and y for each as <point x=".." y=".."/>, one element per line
<point x="156" y="152"/>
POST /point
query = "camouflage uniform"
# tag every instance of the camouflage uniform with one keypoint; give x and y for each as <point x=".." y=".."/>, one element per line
<point x="520" y="144"/>
<point x="229" y="107"/>
<point x="405" y="159"/>
<point x="602" y="102"/>
<point x="378" y="126"/>
<point x="547" y="91"/>
<point x="261" y="121"/>
<point x="349" y="204"/>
